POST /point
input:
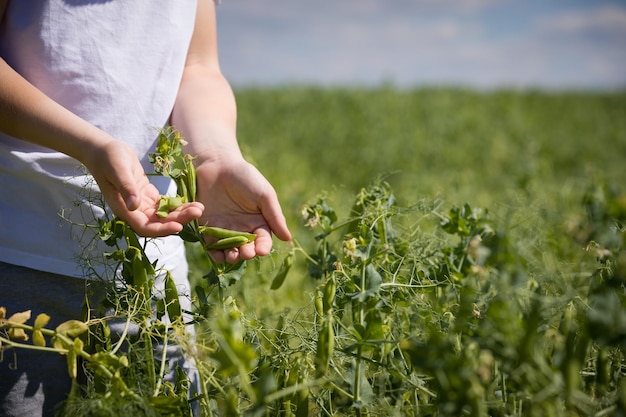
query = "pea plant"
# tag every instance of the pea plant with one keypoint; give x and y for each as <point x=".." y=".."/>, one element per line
<point x="419" y="310"/>
<point x="121" y="372"/>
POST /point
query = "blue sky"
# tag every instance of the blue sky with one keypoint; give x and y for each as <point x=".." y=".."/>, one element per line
<point x="478" y="43"/>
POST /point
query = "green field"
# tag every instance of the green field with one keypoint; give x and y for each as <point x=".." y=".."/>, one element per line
<point x="483" y="147"/>
<point x="530" y="155"/>
<point x="538" y="327"/>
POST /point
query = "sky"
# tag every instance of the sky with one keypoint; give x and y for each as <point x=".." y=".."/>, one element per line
<point x="552" y="44"/>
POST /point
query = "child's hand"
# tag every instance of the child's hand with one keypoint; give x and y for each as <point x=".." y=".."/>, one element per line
<point x="131" y="196"/>
<point x="237" y="196"/>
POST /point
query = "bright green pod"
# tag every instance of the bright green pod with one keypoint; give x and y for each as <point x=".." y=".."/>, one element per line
<point x="138" y="271"/>
<point x="325" y="347"/>
<point x="171" y="298"/>
<point x="220" y="233"/>
<point x="228" y="243"/>
<point x="167" y="204"/>
<point x="279" y="279"/>
<point x="319" y="309"/>
<point x="191" y="180"/>
<point x="329" y="293"/>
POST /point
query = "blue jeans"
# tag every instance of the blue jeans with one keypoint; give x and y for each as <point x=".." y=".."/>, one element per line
<point x="34" y="383"/>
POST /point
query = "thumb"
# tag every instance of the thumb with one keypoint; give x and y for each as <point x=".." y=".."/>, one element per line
<point x="132" y="201"/>
<point x="126" y="181"/>
<point x="273" y="214"/>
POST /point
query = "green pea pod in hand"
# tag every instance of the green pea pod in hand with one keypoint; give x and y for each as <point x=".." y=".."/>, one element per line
<point x="228" y="243"/>
<point x="220" y="233"/>
<point x="167" y="204"/>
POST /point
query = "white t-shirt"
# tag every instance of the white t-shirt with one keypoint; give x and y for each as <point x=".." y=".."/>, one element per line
<point x="115" y="63"/>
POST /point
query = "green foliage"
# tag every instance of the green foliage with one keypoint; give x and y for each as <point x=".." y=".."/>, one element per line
<point x="392" y="302"/>
<point x="464" y="145"/>
<point x="442" y="318"/>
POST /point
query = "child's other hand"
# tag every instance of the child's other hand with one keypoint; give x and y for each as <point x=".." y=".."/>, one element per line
<point x="237" y="196"/>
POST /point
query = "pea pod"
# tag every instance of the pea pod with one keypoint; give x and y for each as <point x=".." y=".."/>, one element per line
<point x="278" y="280"/>
<point x="319" y="309"/>
<point x="139" y="274"/>
<point x="329" y="294"/>
<point x="191" y="180"/>
<point x="325" y="347"/>
<point x="229" y="243"/>
<point x="167" y="204"/>
<point x="220" y="233"/>
<point x="171" y="298"/>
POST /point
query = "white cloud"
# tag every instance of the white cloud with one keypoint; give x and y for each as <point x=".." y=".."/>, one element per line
<point x="606" y="19"/>
<point x="421" y="41"/>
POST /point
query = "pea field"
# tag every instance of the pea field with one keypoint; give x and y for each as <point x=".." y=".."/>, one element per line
<point x="456" y="253"/>
<point x="473" y="242"/>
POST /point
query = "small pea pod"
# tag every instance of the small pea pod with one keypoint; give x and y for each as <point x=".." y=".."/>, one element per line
<point x="279" y="279"/>
<point x="329" y="294"/>
<point x="319" y="306"/>
<point x="325" y="347"/>
<point x="162" y="210"/>
<point x="167" y="204"/>
<point x="220" y="233"/>
<point x="139" y="274"/>
<point x="181" y="185"/>
<point x="191" y="180"/>
<point x="228" y="243"/>
<point x="171" y="298"/>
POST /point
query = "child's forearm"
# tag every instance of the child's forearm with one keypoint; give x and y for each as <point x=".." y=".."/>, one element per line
<point x="28" y="114"/>
<point x="205" y="113"/>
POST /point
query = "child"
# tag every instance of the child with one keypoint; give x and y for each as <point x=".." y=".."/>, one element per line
<point x="91" y="82"/>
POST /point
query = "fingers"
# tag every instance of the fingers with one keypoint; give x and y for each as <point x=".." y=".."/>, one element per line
<point x="127" y="177"/>
<point x="184" y="213"/>
<point x="273" y="214"/>
<point x="261" y="246"/>
<point x="263" y="242"/>
<point x="130" y="192"/>
<point x="147" y="223"/>
<point x="234" y="255"/>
